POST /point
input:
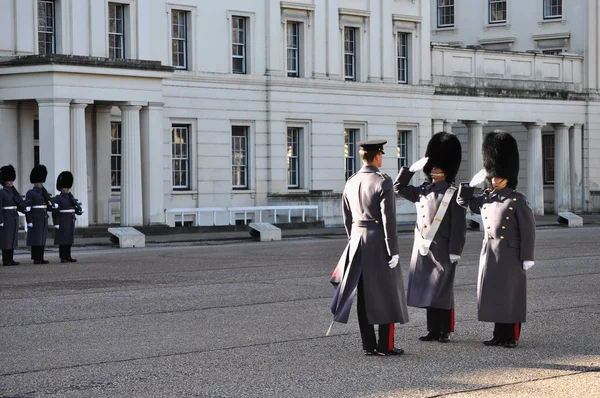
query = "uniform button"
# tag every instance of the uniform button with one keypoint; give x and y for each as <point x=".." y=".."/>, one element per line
<point x="485" y="217"/>
<point x="489" y="236"/>
<point x="483" y="207"/>
<point x="514" y="199"/>
<point x="508" y="218"/>
<point x="423" y="215"/>
<point x="489" y="227"/>
<point x="510" y="208"/>
<point x="376" y="222"/>
<point x="422" y="206"/>
<point x="485" y="197"/>
<point x="420" y="196"/>
<point x="503" y="227"/>
<point x="424" y="226"/>
<point x="502" y="237"/>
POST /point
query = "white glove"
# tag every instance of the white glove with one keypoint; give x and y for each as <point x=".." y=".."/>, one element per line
<point x="527" y="264"/>
<point x="28" y="209"/>
<point x="418" y="165"/>
<point x="56" y="205"/>
<point x="454" y="258"/>
<point x="82" y="210"/>
<point x="478" y="178"/>
<point x="394" y="261"/>
<point x="30" y="225"/>
<point x="2" y="225"/>
<point x="57" y="226"/>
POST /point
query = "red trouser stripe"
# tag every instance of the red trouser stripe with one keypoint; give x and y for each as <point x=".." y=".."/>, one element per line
<point x="391" y="338"/>
<point x="452" y="320"/>
<point x="517" y="330"/>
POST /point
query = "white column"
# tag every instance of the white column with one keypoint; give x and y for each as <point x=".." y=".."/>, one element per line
<point x="9" y="150"/>
<point x="26" y="146"/>
<point x="55" y="138"/>
<point x="79" y="160"/>
<point x="102" y="169"/>
<point x="152" y="173"/>
<point x="535" y="175"/>
<point x="475" y="134"/>
<point x="131" y="167"/>
<point x="576" y="167"/>
<point x="437" y="126"/>
<point x="334" y="46"/>
<point x="448" y="126"/>
<point x="387" y="44"/>
<point x="562" y="175"/>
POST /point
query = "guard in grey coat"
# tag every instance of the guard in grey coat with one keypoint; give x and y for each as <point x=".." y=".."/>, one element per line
<point x="433" y="262"/>
<point x="10" y="202"/>
<point x="37" y="218"/>
<point x="369" y="262"/>
<point x="508" y="240"/>
<point x="64" y="216"/>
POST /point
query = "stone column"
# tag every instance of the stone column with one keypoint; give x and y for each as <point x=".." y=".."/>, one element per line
<point x="562" y="175"/>
<point x="9" y="122"/>
<point x="131" y="167"/>
<point x="152" y="159"/>
<point x="26" y="149"/>
<point x="448" y="126"/>
<point x="79" y="160"/>
<point x="102" y="169"/>
<point x="437" y="126"/>
<point x="576" y="167"/>
<point x="535" y="175"/>
<point x="475" y="137"/>
<point x="55" y="138"/>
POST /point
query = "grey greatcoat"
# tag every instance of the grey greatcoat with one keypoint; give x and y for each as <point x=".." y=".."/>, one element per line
<point x="508" y="240"/>
<point x="10" y="202"/>
<point x="38" y="216"/>
<point x="65" y="217"/>
<point x="431" y="284"/>
<point x="369" y="209"/>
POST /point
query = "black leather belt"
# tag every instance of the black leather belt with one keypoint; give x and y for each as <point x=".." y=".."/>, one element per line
<point x="366" y="223"/>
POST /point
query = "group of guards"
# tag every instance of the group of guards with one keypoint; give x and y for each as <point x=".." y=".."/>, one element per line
<point x="36" y="205"/>
<point x="368" y="266"/>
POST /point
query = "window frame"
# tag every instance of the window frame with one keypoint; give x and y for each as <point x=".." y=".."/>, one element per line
<point x="548" y="158"/>
<point x="497" y="3"/>
<point x="117" y="34"/>
<point x="350" y="150"/>
<point x="353" y="54"/>
<point x="439" y="8"/>
<point x="403" y="58"/>
<point x="403" y="142"/>
<point x="184" y="159"/>
<point x="547" y="5"/>
<point x="294" y="159"/>
<point x="297" y="49"/>
<point x="244" y="45"/>
<point x="52" y="32"/>
<point x="184" y="40"/>
<point x="118" y="157"/>
<point x="246" y="164"/>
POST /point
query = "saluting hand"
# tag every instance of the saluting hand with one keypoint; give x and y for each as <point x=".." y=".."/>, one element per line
<point x="478" y="178"/>
<point x="418" y="165"/>
<point x="30" y="224"/>
<point x="527" y="264"/>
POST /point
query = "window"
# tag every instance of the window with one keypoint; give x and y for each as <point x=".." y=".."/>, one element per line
<point x="552" y="52"/>
<point x="497" y="11"/>
<point x="403" y="145"/>
<point x="239" y="157"/>
<point x="180" y="156"/>
<point x="115" y="156"/>
<point x="552" y="9"/>
<point x="293" y="49"/>
<point x="36" y="142"/>
<point x="293" y="158"/>
<point x="239" y="34"/>
<point x="116" y="31"/>
<point x="46" y="27"/>
<point x="179" y="38"/>
<point x="403" y="58"/>
<point x="548" y="158"/>
<point x="350" y="152"/>
<point x="445" y="13"/>
<point x="350" y="54"/>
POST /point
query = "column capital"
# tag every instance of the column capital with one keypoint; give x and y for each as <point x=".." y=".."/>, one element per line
<point x="561" y="125"/>
<point x="578" y="125"/>
<point x="534" y="124"/>
<point x="450" y="121"/>
<point x="78" y="105"/>
<point x="82" y="101"/>
<point x="474" y="122"/>
<point x="134" y="108"/>
<point x="103" y="108"/>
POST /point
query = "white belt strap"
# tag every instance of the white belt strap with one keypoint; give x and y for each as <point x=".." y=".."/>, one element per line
<point x="67" y="211"/>
<point x="38" y="207"/>
<point x="9" y="208"/>
<point x="425" y="242"/>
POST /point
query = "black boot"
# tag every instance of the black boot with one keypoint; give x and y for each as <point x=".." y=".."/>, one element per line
<point x="69" y="258"/>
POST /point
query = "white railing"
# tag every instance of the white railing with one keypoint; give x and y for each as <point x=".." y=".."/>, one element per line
<point x="196" y="211"/>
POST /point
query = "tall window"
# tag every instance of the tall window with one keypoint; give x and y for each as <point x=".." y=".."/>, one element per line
<point x="115" y="156"/>
<point x="350" y="152"/>
<point x="36" y="142"/>
<point x="350" y="53"/>
<point x="293" y="49"/>
<point x="445" y="13"/>
<point x="179" y="38"/>
<point x="46" y="27"/>
<point x="497" y="11"/>
<point x="552" y="9"/>
<point x="403" y="136"/>
<point x="180" y="156"/>
<point x="403" y="58"/>
<point x="548" y="158"/>
<point x="293" y="158"/>
<point x="116" y="30"/>
<point x="239" y="34"/>
<point x="239" y="157"/>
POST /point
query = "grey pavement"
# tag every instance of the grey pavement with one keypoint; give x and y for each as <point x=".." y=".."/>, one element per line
<point x="235" y="318"/>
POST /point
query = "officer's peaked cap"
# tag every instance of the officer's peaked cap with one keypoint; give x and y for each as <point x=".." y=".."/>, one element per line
<point x="372" y="145"/>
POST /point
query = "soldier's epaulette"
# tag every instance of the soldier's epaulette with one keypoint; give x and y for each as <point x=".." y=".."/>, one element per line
<point x="521" y="194"/>
<point x="382" y="174"/>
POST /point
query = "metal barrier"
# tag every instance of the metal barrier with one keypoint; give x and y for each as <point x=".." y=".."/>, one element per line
<point x="196" y="211"/>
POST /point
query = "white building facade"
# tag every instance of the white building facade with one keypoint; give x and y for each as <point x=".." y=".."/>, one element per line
<point x="156" y="104"/>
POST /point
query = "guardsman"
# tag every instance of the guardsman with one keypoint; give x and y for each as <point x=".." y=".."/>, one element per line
<point x="508" y="239"/>
<point x="10" y="202"/>
<point x="439" y="233"/>
<point x="37" y="218"/>
<point x="368" y="265"/>
<point x="64" y="216"/>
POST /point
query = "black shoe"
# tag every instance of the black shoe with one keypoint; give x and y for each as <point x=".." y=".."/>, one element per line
<point x="512" y="343"/>
<point x="431" y="336"/>
<point x="371" y="352"/>
<point x="64" y="260"/>
<point x="71" y="260"/>
<point x="494" y="341"/>
<point x="393" y="351"/>
<point x="444" y="338"/>
<point x="41" y="262"/>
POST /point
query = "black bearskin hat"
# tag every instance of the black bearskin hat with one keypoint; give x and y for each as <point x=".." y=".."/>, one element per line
<point x="501" y="157"/>
<point x="444" y="151"/>
<point x="64" y="180"/>
<point x="38" y="174"/>
<point x="7" y="173"/>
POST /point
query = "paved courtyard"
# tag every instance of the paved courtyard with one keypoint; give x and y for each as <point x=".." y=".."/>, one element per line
<point x="248" y="319"/>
